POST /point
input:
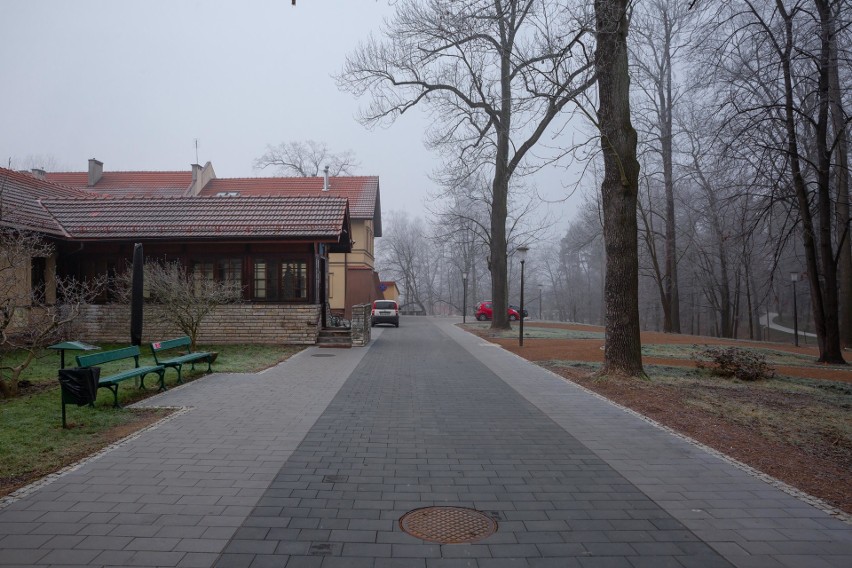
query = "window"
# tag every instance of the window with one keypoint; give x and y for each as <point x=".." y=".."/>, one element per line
<point x="219" y="270"/>
<point x="230" y="270"/>
<point x="260" y="284"/>
<point x="277" y="280"/>
<point x="38" y="267"/>
<point x="294" y="280"/>
<point x="202" y="272"/>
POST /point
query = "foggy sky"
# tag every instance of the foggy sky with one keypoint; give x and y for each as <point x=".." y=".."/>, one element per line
<point x="134" y="84"/>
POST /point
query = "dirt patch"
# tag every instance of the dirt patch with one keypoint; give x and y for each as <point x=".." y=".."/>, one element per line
<point x="797" y="431"/>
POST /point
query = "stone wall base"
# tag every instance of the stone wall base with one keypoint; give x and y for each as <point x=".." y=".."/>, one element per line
<point x="361" y="324"/>
<point x="238" y="323"/>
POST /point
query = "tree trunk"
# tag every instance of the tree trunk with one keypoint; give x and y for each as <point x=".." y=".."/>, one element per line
<point x="619" y="191"/>
<point x="841" y="176"/>
<point x="671" y="284"/>
<point x="832" y="352"/>
<point x="818" y="250"/>
<point x="499" y="201"/>
<point x="499" y="259"/>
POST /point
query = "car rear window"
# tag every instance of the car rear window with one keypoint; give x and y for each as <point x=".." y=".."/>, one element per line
<point x="384" y="305"/>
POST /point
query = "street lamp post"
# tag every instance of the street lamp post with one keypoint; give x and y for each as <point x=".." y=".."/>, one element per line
<point x="540" y="293"/>
<point x="464" y="297"/>
<point x="794" y="277"/>
<point x="522" y="255"/>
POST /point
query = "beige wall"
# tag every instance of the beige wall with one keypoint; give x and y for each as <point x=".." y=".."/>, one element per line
<point x="239" y="323"/>
<point x="18" y="285"/>
<point x="391" y="293"/>
<point x="362" y="255"/>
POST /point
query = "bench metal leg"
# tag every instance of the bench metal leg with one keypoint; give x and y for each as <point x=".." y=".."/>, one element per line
<point x="114" y="390"/>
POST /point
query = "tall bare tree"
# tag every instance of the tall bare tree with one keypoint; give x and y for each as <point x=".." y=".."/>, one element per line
<point x="404" y="253"/>
<point x="839" y="98"/>
<point x="496" y="74"/>
<point x="619" y="190"/>
<point x="777" y="70"/>
<point x="306" y="159"/>
<point x="661" y="35"/>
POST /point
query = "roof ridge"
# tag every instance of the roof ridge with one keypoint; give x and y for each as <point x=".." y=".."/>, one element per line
<point x="82" y="172"/>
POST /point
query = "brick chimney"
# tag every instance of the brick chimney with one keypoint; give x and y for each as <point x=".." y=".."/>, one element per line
<point x="96" y="171"/>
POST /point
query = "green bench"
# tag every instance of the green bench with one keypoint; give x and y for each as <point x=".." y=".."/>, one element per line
<point x="177" y="362"/>
<point x="111" y="382"/>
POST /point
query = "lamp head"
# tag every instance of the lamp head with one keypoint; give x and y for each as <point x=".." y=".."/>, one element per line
<point x="522" y="252"/>
<point x="794" y="277"/>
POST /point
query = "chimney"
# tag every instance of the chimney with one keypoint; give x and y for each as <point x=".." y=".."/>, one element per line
<point x="325" y="186"/>
<point x="39" y="173"/>
<point x="201" y="176"/>
<point x="96" y="171"/>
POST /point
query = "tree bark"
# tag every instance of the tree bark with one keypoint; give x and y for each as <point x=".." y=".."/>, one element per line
<point x="666" y="104"/>
<point x="841" y="179"/>
<point x="818" y="249"/>
<point x="619" y="191"/>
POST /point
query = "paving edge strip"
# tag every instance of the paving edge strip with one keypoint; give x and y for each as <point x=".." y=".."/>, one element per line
<point x="816" y="502"/>
<point x="23" y="492"/>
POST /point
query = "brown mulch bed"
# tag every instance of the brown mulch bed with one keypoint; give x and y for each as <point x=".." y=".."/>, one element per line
<point x="797" y="436"/>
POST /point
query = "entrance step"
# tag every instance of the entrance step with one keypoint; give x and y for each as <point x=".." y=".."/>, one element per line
<point x="335" y="337"/>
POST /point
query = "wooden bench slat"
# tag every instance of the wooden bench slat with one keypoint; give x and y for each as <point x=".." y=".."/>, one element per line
<point x="177" y="362"/>
<point x="107" y="356"/>
<point x="111" y="382"/>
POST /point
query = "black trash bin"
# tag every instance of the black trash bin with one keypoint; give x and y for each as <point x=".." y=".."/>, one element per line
<point x="79" y="386"/>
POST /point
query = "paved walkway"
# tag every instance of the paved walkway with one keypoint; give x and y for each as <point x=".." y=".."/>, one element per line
<point x="313" y="462"/>
<point x="770" y="317"/>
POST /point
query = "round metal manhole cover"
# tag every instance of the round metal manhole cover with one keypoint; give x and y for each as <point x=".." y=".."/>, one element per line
<point x="448" y="525"/>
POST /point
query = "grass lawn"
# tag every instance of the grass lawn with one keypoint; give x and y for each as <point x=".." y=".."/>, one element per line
<point x="32" y="440"/>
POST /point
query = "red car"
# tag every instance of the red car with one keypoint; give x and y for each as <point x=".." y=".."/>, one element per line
<point x="485" y="311"/>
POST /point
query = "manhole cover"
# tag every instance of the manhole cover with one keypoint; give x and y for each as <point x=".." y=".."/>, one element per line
<point x="323" y="355"/>
<point x="448" y="525"/>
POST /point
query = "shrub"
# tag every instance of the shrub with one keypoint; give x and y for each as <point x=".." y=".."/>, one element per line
<point x="734" y="362"/>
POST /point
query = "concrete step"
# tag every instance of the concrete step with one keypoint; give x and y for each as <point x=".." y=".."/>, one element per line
<point x="335" y="338"/>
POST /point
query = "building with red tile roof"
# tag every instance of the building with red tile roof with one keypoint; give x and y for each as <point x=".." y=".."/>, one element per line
<point x="276" y="246"/>
<point x="352" y="279"/>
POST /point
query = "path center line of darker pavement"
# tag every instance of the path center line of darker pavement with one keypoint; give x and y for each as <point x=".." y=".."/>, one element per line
<point x="422" y="423"/>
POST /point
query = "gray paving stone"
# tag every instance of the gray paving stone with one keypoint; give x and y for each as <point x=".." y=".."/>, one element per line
<point x="322" y="457"/>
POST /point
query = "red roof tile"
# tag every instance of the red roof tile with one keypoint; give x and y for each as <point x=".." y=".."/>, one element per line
<point x="200" y="217"/>
<point x="362" y="191"/>
<point x="321" y="218"/>
<point x="129" y="184"/>
<point x="19" y="205"/>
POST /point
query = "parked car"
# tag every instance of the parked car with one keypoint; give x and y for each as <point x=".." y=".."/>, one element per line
<point x="385" y="311"/>
<point x="518" y="309"/>
<point x="485" y="311"/>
